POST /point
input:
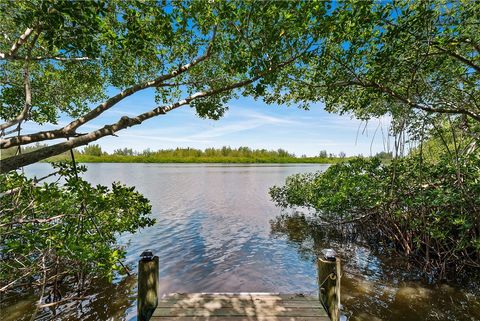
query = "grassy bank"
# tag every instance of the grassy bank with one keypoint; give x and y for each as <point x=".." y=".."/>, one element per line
<point x="81" y="158"/>
<point x="95" y="154"/>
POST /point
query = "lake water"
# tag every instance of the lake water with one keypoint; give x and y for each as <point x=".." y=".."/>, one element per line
<point x="218" y="231"/>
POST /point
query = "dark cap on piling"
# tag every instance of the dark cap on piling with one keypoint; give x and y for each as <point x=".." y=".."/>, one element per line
<point x="147" y="255"/>
<point x="329" y="254"/>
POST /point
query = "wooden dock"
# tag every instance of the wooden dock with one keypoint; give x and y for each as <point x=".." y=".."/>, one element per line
<point x="239" y="307"/>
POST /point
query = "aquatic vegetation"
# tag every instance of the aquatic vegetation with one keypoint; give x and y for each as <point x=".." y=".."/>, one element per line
<point x="63" y="234"/>
<point x="426" y="210"/>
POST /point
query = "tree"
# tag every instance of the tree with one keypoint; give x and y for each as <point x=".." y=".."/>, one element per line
<point x="418" y="62"/>
<point x="60" y="57"/>
<point x="418" y="209"/>
<point x="62" y="235"/>
<point x="323" y="154"/>
<point x="128" y="152"/>
<point x="384" y="155"/>
<point x="415" y="61"/>
<point x="93" y="150"/>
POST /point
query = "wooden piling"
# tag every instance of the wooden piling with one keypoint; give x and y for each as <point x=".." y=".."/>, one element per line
<point x="329" y="283"/>
<point x="147" y="299"/>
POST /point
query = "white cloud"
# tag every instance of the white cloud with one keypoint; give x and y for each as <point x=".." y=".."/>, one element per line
<point x="247" y="123"/>
<point x="252" y="120"/>
<point x="184" y="139"/>
<point x="228" y="129"/>
<point x="272" y="120"/>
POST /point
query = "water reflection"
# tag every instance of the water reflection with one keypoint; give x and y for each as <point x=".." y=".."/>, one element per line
<point x="218" y="231"/>
<point x="212" y="232"/>
<point x="378" y="286"/>
<point x="103" y="301"/>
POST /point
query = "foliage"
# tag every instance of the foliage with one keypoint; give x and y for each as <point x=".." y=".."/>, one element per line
<point x="64" y="233"/>
<point x="418" y="63"/>
<point x="5" y="153"/>
<point x="384" y="155"/>
<point x="428" y="211"/>
<point x="93" y="150"/>
<point x="454" y="137"/>
<point x="409" y="60"/>
<point x="192" y="155"/>
<point x="60" y="57"/>
<point x="323" y="153"/>
<point x="126" y="152"/>
<point x="344" y="189"/>
<point x="412" y="60"/>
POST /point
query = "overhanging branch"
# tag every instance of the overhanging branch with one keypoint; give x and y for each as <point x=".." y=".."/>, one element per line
<point x="20" y="41"/>
<point x="20" y="160"/>
<point x="69" y="129"/>
<point x="459" y="58"/>
<point x="28" y="94"/>
<point x="361" y="81"/>
<point x="58" y="58"/>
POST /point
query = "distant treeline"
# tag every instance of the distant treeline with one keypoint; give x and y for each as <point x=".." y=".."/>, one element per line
<point x="94" y="154"/>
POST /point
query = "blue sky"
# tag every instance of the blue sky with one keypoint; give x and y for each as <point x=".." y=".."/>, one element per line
<point x="247" y="123"/>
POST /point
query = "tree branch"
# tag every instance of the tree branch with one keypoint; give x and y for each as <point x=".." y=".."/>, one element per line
<point x="21" y="40"/>
<point x="366" y="83"/>
<point x="20" y="160"/>
<point x="470" y="42"/>
<point x="35" y="220"/>
<point x="26" y="108"/>
<point x="387" y="90"/>
<point x="59" y="58"/>
<point x="69" y="130"/>
<point x="28" y="94"/>
<point x="424" y="107"/>
<point x="459" y="58"/>
<point x="3" y="289"/>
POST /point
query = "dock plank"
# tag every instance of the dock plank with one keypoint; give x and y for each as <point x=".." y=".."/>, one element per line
<point x="243" y="303"/>
<point x="239" y="307"/>
<point x="246" y="311"/>
<point x="240" y="318"/>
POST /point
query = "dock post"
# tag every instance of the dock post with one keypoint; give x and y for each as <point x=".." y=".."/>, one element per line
<point x="147" y="299"/>
<point x="329" y="283"/>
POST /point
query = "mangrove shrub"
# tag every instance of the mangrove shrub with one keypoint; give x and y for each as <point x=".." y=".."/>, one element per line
<point x="62" y="234"/>
<point x="428" y="211"/>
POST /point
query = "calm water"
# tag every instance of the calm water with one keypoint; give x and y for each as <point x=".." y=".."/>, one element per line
<point x="218" y="231"/>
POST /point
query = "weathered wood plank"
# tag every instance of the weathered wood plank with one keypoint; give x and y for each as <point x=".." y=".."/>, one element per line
<point x="248" y="311"/>
<point x="239" y="307"/>
<point x="241" y="318"/>
<point x="242" y="296"/>
<point x="237" y="303"/>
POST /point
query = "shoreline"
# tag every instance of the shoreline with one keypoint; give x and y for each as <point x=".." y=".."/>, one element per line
<point x="195" y="160"/>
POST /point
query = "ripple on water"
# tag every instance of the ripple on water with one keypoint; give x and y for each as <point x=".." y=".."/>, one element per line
<point x="213" y="235"/>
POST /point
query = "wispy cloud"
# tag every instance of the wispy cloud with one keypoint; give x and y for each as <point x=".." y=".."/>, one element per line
<point x="247" y="123"/>
<point x="228" y="129"/>
<point x="251" y="120"/>
<point x="180" y="139"/>
<point x="272" y="120"/>
<point x="120" y="112"/>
